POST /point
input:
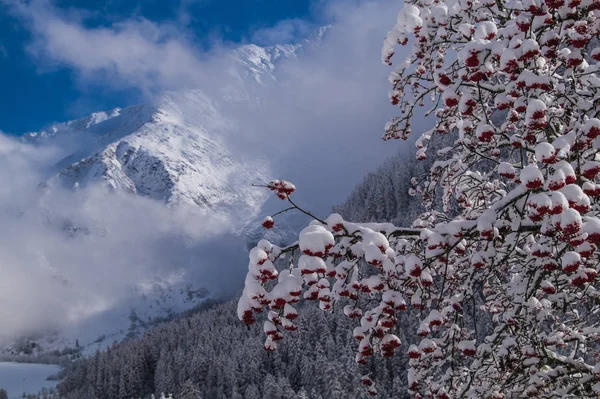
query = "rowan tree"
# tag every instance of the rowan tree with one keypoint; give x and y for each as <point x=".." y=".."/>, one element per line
<point x="514" y="241"/>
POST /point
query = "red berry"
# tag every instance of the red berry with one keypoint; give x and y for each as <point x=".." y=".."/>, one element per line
<point x="268" y="223"/>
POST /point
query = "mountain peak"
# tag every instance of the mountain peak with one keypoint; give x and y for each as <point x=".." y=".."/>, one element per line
<point x="176" y="153"/>
<point x="259" y="62"/>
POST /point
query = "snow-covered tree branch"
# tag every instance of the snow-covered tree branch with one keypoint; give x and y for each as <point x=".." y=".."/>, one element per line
<point x="514" y="241"/>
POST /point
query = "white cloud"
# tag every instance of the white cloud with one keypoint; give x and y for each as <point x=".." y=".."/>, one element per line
<point x="134" y="53"/>
<point x="284" y="32"/>
<point x="69" y="256"/>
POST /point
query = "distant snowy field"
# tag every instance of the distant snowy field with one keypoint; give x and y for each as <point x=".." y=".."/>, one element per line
<point x="17" y="378"/>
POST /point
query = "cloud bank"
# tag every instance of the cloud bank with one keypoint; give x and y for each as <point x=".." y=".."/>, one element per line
<point x="68" y="256"/>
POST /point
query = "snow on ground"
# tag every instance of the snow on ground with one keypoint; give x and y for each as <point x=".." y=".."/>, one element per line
<point x="17" y="378"/>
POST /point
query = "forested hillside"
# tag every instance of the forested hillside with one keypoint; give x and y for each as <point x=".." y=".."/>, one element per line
<point x="384" y="194"/>
<point x="212" y="355"/>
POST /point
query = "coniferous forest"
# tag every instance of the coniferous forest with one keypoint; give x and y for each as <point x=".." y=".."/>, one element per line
<point x="212" y="355"/>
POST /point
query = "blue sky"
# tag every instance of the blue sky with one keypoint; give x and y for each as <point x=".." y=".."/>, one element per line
<point x="38" y="91"/>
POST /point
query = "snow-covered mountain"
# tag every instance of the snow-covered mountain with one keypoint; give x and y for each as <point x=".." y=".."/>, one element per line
<point x="259" y="63"/>
<point x="176" y="150"/>
<point x="173" y="150"/>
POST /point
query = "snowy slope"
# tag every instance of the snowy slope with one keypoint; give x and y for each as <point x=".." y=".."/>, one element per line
<point x="152" y="301"/>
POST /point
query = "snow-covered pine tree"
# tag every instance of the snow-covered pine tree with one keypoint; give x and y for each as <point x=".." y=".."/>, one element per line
<point x="517" y="232"/>
<point x="383" y="195"/>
